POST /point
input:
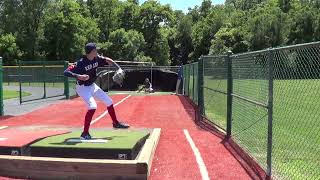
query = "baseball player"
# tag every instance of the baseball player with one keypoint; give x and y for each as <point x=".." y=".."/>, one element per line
<point x="147" y="86"/>
<point x="84" y="70"/>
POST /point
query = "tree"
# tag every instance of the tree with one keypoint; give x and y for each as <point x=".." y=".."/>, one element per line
<point x="228" y="39"/>
<point x="302" y="24"/>
<point x="9" y="15"/>
<point x="9" y="49"/>
<point x="28" y="32"/>
<point x="285" y="5"/>
<point x="23" y="18"/>
<point x="154" y="17"/>
<point x="205" y="8"/>
<point x="267" y="27"/>
<point x="66" y="31"/>
<point x="128" y="15"/>
<point x="183" y="40"/>
<point x="244" y="4"/>
<point x="203" y="31"/>
<point x="106" y="13"/>
<point x="160" y="52"/>
<point x="125" y="45"/>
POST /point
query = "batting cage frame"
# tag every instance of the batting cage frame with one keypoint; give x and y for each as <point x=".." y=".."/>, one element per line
<point x="265" y="102"/>
<point x="162" y="78"/>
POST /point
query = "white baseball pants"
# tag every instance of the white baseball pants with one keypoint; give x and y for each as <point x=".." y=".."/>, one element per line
<point x="88" y="93"/>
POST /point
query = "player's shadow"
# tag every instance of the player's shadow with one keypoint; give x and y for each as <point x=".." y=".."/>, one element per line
<point x="73" y="140"/>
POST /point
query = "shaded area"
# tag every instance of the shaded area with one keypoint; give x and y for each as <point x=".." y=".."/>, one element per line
<point x="162" y="80"/>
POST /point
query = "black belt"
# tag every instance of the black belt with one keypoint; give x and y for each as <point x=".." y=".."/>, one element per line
<point x="80" y="84"/>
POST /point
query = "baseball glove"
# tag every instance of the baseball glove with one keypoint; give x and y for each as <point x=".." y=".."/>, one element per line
<point x="119" y="76"/>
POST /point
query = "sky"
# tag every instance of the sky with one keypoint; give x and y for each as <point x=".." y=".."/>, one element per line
<point x="184" y="4"/>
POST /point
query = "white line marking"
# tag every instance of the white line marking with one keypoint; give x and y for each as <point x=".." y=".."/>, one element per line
<point x="3" y="127"/>
<point x="202" y="166"/>
<point x="3" y="139"/>
<point x="106" y="112"/>
<point x="87" y="141"/>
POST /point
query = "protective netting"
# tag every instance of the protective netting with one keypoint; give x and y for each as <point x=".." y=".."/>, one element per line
<point x="162" y="78"/>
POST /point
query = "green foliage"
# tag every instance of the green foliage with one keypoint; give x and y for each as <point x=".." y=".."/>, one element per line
<point x="203" y="31"/>
<point x="125" y="45"/>
<point x="244" y="4"/>
<point x="106" y="14"/>
<point x="66" y="30"/>
<point x="182" y="41"/>
<point x="303" y="24"/>
<point x="127" y="30"/>
<point x="9" y="50"/>
<point x="128" y="15"/>
<point x="228" y="39"/>
<point x="266" y="26"/>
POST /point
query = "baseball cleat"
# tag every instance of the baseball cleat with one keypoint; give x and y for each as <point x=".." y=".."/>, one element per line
<point x="121" y="125"/>
<point x="85" y="136"/>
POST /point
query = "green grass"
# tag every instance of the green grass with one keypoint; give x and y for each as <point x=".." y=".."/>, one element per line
<point x="296" y="123"/>
<point x="8" y="94"/>
<point x="117" y="139"/>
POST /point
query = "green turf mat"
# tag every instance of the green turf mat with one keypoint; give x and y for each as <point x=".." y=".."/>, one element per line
<point x="117" y="139"/>
<point x="116" y="144"/>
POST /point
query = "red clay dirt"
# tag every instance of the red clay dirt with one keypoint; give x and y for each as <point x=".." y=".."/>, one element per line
<point x="174" y="158"/>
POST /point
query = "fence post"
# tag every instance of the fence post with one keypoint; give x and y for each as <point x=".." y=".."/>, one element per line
<point x="20" y="81"/>
<point x="183" y="78"/>
<point x="193" y="84"/>
<point x="189" y="79"/>
<point x="228" y="60"/>
<point x="186" y="76"/>
<point x="200" y="86"/>
<point x="270" y="114"/>
<point x="1" y="88"/>
<point x="44" y="79"/>
<point x="151" y="74"/>
<point x="66" y="82"/>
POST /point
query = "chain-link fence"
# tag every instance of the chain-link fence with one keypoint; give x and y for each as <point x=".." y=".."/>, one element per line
<point x="296" y="120"/>
<point x="250" y="112"/>
<point x="36" y="79"/>
<point x="267" y="102"/>
<point x="44" y="79"/>
<point x="190" y="81"/>
<point x="215" y="89"/>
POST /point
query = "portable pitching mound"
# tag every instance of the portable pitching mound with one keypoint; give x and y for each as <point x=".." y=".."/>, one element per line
<point x="111" y="154"/>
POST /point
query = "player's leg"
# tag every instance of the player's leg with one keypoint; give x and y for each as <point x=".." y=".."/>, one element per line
<point x="85" y="92"/>
<point x="100" y="94"/>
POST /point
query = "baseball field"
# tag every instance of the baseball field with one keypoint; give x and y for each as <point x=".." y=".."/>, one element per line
<point x="179" y="133"/>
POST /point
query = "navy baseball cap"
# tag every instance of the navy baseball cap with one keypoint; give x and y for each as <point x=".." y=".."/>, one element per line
<point x="89" y="47"/>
